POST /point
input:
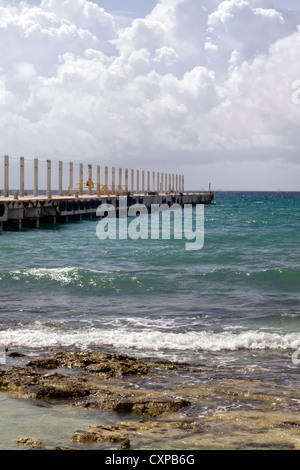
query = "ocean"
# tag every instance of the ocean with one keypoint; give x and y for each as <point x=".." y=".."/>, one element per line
<point x="232" y="306"/>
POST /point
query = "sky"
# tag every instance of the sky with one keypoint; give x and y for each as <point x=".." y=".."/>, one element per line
<point x="205" y="88"/>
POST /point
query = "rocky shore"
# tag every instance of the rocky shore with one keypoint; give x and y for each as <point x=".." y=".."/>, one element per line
<point x="161" y="402"/>
<point x="92" y="385"/>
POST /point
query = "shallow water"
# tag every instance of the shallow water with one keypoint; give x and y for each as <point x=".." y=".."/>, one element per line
<point x="54" y="426"/>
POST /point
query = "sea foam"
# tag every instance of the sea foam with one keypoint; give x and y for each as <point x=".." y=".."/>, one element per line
<point x="147" y="340"/>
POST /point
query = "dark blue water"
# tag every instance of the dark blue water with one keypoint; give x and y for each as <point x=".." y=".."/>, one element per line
<point x="237" y="297"/>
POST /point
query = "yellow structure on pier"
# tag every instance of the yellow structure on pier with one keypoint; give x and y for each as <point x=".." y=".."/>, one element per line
<point x="95" y="188"/>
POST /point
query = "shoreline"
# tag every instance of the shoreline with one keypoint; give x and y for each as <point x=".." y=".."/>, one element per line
<point x="155" y="404"/>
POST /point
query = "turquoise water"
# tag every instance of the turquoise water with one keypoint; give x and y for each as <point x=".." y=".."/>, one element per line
<point x="232" y="307"/>
<point x="238" y="296"/>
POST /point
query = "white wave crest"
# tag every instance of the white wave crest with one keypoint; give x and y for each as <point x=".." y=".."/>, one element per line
<point x="44" y="337"/>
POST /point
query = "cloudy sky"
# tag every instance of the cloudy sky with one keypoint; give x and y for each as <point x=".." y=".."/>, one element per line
<point x="206" y="88"/>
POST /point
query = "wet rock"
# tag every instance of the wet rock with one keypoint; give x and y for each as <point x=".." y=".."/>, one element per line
<point x="125" y="444"/>
<point x="43" y="363"/>
<point x="290" y="424"/>
<point x="268" y="446"/>
<point x="29" y="383"/>
<point x="125" y="431"/>
<point x="102" y="363"/>
<point x="158" y="407"/>
<point x="66" y="448"/>
<point x="100" y="434"/>
<point x="14" y="354"/>
<point x="86" y="388"/>
<point x="144" y="403"/>
<point x="146" y="407"/>
<point x="84" y="437"/>
<point x="30" y="442"/>
<point x="100" y="367"/>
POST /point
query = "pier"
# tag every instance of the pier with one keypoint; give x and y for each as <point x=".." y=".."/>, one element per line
<point x="81" y="198"/>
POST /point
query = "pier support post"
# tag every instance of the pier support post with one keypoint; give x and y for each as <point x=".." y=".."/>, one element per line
<point x="113" y="179"/>
<point x="80" y="178"/>
<point x="148" y="182"/>
<point x="126" y="179"/>
<point x="33" y="222"/>
<point x="137" y="181"/>
<point x="132" y="181"/>
<point x="22" y="172"/>
<point x="6" y="176"/>
<point x="98" y="180"/>
<point x="14" y="225"/>
<point x="120" y="179"/>
<point x="71" y="176"/>
<point x="36" y="177"/>
<point x="60" y="180"/>
<point x="90" y="179"/>
<point x="49" y="179"/>
<point x="90" y="172"/>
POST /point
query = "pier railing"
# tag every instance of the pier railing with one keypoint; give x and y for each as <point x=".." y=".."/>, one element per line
<point x="99" y="189"/>
<point x="91" y="179"/>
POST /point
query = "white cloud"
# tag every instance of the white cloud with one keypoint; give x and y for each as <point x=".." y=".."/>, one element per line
<point x="193" y="80"/>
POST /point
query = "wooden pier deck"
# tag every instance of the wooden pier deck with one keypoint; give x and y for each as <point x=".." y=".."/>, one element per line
<point x="30" y="211"/>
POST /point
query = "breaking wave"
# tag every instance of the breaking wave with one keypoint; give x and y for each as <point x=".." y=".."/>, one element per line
<point x="39" y="336"/>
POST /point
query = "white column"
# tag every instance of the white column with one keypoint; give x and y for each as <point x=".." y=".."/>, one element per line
<point x="132" y="181"/>
<point x="143" y="182"/>
<point x="60" y="172"/>
<point x="180" y="183"/>
<point x="126" y="179"/>
<point x="90" y="178"/>
<point x="113" y="179"/>
<point x="36" y="177"/>
<point x="106" y="176"/>
<point x="157" y="182"/>
<point x="170" y="183"/>
<point x="148" y="181"/>
<point x="137" y="181"/>
<point x="176" y="183"/>
<point x="6" y="176"/>
<point x="80" y="177"/>
<point x="71" y="175"/>
<point x="166" y="182"/>
<point x="49" y="179"/>
<point x="120" y="179"/>
<point x="98" y="180"/>
<point x="22" y="173"/>
<point x="173" y="184"/>
<point x="161" y="182"/>
<point x="153" y="181"/>
<point x="183" y="183"/>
